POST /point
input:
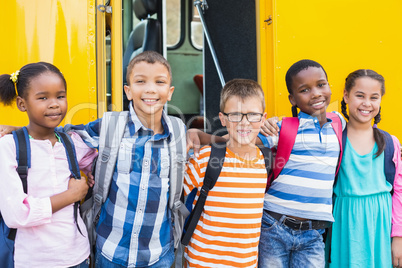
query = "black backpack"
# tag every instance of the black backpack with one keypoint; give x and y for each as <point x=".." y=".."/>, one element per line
<point x="212" y="172"/>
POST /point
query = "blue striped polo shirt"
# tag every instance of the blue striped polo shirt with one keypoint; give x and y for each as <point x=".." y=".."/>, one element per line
<point x="135" y="225"/>
<point x="304" y="186"/>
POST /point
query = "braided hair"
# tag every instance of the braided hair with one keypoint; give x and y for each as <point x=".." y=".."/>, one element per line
<point x="349" y="84"/>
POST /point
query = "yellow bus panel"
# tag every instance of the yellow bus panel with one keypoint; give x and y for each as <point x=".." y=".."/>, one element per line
<point x="59" y="32"/>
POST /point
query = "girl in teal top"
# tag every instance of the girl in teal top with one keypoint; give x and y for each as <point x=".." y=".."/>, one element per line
<point x="363" y="205"/>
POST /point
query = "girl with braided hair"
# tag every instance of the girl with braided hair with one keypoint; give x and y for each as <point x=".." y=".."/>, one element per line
<point x="366" y="214"/>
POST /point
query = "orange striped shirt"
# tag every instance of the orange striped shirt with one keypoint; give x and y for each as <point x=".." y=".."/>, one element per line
<point x="228" y="231"/>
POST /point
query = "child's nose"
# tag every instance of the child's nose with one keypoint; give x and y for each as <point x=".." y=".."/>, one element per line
<point x="316" y="92"/>
<point x="54" y="103"/>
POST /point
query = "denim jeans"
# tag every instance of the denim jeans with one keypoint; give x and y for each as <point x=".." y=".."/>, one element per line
<point x="84" y="264"/>
<point x="282" y="247"/>
<point x="165" y="262"/>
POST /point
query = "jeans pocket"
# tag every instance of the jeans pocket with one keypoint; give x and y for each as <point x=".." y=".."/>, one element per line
<point x="319" y="232"/>
<point x="268" y="222"/>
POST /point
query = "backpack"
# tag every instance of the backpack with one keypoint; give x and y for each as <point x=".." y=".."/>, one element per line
<point x="287" y="138"/>
<point x="112" y="129"/>
<point x="23" y="149"/>
<point x="212" y="172"/>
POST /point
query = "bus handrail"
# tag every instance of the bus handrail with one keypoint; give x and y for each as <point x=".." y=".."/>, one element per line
<point x="198" y="4"/>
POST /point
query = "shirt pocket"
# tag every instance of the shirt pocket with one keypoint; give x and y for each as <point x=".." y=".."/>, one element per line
<point x="124" y="159"/>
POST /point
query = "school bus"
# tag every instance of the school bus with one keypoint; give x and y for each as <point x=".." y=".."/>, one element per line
<point x="209" y="41"/>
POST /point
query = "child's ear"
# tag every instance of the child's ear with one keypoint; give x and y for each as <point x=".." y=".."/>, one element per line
<point x="264" y="117"/>
<point x="128" y="92"/>
<point x="222" y="118"/>
<point x="292" y="100"/>
<point x="171" y="90"/>
<point x="21" y="104"/>
<point x="345" y="96"/>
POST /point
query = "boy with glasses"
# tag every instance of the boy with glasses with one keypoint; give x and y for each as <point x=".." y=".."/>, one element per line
<point x="227" y="234"/>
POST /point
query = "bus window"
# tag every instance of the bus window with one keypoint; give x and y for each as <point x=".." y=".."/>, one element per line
<point x="173" y="23"/>
<point x="196" y="30"/>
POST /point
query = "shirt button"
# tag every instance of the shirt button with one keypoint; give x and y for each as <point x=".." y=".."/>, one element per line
<point x="146" y="162"/>
<point x="140" y="211"/>
<point x="143" y="186"/>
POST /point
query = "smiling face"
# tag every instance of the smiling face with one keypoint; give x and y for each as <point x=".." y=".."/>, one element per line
<point x="364" y="100"/>
<point x="45" y="103"/>
<point x="149" y="89"/>
<point x="311" y="92"/>
<point x="244" y="133"/>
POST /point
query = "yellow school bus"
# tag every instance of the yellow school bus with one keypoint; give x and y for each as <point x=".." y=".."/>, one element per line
<point x="207" y="44"/>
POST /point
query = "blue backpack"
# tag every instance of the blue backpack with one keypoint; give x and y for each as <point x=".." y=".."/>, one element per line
<point x="23" y="149"/>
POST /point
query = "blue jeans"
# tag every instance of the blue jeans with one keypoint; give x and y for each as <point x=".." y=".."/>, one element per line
<point x="84" y="264"/>
<point x="282" y="247"/>
<point x="165" y="262"/>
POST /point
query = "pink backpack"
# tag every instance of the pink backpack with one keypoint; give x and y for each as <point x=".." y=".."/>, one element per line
<point x="287" y="137"/>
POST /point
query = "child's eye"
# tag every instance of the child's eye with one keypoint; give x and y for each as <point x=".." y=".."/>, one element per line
<point x="359" y="96"/>
<point x="42" y="98"/>
<point x="160" y="82"/>
<point x="61" y="97"/>
<point x="304" y="90"/>
<point x="139" y="81"/>
<point x="321" y="84"/>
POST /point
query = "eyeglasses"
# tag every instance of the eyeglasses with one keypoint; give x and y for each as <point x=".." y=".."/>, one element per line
<point x="238" y="117"/>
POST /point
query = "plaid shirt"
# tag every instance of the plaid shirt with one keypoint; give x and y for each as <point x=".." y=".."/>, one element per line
<point x="135" y="225"/>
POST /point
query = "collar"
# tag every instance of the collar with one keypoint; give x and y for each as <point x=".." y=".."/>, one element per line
<point x="135" y="124"/>
<point x="305" y="116"/>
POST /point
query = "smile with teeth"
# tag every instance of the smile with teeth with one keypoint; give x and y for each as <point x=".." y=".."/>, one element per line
<point x="150" y="101"/>
<point x="318" y="103"/>
<point x="243" y="133"/>
<point x="365" y="111"/>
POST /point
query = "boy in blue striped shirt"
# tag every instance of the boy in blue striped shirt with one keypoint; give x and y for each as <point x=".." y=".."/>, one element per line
<point x="298" y="205"/>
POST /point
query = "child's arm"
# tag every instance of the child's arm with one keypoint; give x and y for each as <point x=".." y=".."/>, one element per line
<point x="197" y="138"/>
<point x="5" y="129"/>
<point x="21" y="210"/>
<point x="397" y="207"/>
<point x="77" y="189"/>
<point x="270" y="127"/>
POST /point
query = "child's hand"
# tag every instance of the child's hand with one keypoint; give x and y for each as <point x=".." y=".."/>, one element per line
<point x="4" y="129"/>
<point x="91" y="179"/>
<point x="270" y="128"/>
<point x="396" y="249"/>
<point x="193" y="141"/>
<point x="78" y="188"/>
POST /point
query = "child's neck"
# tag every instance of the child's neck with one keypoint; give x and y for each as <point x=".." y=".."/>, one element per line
<point x="244" y="151"/>
<point x="361" y="136"/>
<point x="357" y="126"/>
<point x="153" y="122"/>
<point x="42" y="133"/>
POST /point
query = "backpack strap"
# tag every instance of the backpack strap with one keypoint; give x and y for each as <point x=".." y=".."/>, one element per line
<point x="337" y="126"/>
<point x="214" y="167"/>
<point x="389" y="165"/>
<point x="177" y="153"/>
<point x="73" y="166"/>
<point x="287" y="138"/>
<point x="268" y="159"/>
<point x="23" y="150"/>
<point x="112" y="130"/>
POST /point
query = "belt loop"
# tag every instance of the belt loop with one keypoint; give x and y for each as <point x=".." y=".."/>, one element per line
<point x="310" y="225"/>
<point x="282" y="219"/>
